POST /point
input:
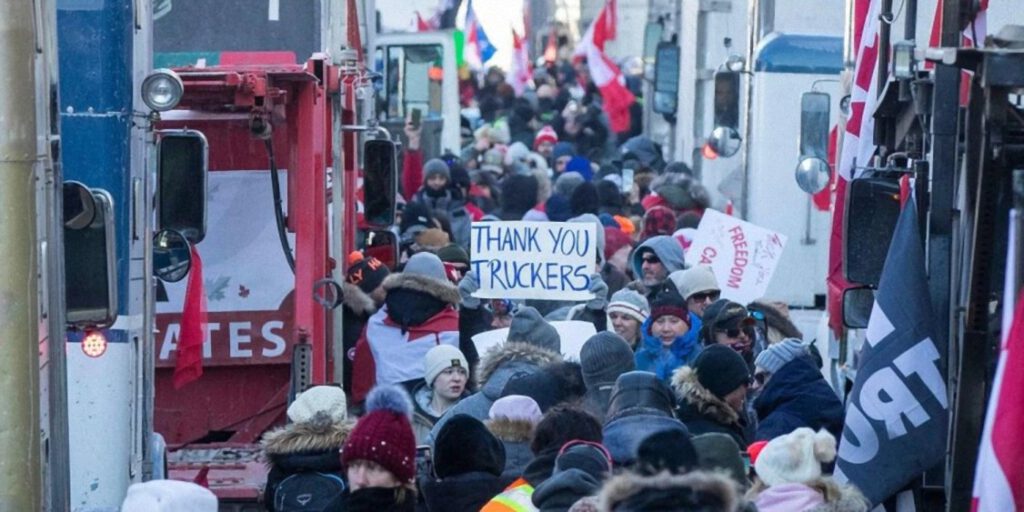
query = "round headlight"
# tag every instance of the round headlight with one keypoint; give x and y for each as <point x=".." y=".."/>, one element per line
<point x="162" y="90"/>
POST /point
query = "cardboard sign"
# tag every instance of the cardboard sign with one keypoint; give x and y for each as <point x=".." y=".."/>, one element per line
<point x="573" y="333"/>
<point x="534" y="260"/>
<point x="742" y="255"/>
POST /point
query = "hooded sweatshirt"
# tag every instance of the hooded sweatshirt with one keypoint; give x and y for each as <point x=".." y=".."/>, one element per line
<point x="666" y="248"/>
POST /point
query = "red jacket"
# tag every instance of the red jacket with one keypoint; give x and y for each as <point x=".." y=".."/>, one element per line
<point x="412" y="173"/>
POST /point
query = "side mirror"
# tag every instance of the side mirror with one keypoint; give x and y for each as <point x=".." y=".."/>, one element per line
<point x="380" y="186"/>
<point x="666" y="78"/>
<point x="79" y="205"/>
<point x="872" y="209"/>
<point x="381" y="244"/>
<point x="725" y="138"/>
<point x="182" y="161"/>
<point x="857" y="305"/>
<point x="172" y="256"/>
<point x="812" y="171"/>
<point x="90" y="268"/>
<point x="652" y="41"/>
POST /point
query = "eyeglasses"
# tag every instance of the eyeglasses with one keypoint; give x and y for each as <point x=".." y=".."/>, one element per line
<point x="705" y="296"/>
<point x="650" y="258"/>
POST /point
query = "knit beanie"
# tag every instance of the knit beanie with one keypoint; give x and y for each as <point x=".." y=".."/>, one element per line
<point x="668" y="450"/>
<point x="773" y="358"/>
<point x="607" y="220"/>
<point x="552" y="385"/>
<point x="464" y="445"/>
<point x="615" y="239"/>
<point x="659" y="220"/>
<point x="545" y="134"/>
<point x="584" y="199"/>
<point x="427" y="265"/>
<point x="631" y="303"/>
<point x="440" y="358"/>
<point x="604" y="357"/>
<point x="795" y="458"/>
<point x="366" y="273"/>
<point x="168" y="496"/>
<point x="436" y="167"/>
<point x="515" y="408"/>
<point x="587" y="456"/>
<point x="384" y="435"/>
<point x="528" y="326"/>
<point x="563" y="424"/>
<point x="566" y="183"/>
<point x="453" y="253"/>
<point x="518" y="195"/>
<point x="721" y="370"/>
<point x="582" y="166"/>
<point x="317" y="400"/>
<point x="694" y="280"/>
<point x="562" y="149"/>
<point x="557" y="208"/>
<point x="669" y="302"/>
<point x="717" y="452"/>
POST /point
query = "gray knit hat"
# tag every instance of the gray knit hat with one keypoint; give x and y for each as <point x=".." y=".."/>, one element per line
<point x="528" y="326"/>
<point x="427" y="265"/>
<point x="778" y="354"/>
<point x="631" y="303"/>
<point x="436" y="166"/>
<point x="604" y="357"/>
<point x="566" y="183"/>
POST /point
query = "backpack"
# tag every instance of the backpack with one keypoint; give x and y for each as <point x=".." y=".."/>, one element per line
<point x="310" y="491"/>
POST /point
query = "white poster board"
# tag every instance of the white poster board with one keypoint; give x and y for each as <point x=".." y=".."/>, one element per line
<point x="742" y="255"/>
<point x="573" y="333"/>
<point x="534" y="260"/>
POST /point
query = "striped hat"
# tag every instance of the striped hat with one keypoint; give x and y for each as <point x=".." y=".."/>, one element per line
<point x="630" y="303"/>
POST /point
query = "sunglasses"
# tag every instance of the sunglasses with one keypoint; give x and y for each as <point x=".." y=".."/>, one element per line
<point x="704" y="296"/>
<point x="761" y="377"/>
<point x="650" y="258"/>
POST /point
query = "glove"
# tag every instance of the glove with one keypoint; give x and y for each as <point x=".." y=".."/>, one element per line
<point x="467" y="287"/>
<point x="600" y="290"/>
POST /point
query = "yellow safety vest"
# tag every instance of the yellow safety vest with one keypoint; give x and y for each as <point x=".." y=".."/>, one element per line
<point x="517" y="497"/>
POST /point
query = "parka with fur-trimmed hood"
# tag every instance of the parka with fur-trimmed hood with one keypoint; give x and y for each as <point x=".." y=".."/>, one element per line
<point x="499" y="366"/>
<point x="419" y="313"/>
<point x="516" y="436"/>
<point x="697" y="490"/>
<point x="703" y="412"/>
<point x="306" y="446"/>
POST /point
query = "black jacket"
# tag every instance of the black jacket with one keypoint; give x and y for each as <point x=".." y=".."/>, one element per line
<point x="379" y="499"/>
<point x="703" y="412"/>
<point x="300" y="447"/>
<point x="797" y="396"/>
<point x="357" y="307"/>
<point x="468" y="491"/>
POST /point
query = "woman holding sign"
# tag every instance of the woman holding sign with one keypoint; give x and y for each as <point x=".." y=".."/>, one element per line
<point x="668" y="341"/>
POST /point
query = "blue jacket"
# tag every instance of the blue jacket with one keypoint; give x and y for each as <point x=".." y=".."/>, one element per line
<point x="655" y="358"/>
<point x="797" y="396"/>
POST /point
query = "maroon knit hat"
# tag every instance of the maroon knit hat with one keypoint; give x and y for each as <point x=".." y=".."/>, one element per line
<point x="614" y="239"/>
<point x="659" y="220"/>
<point x="384" y="435"/>
<point x="669" y="302"/>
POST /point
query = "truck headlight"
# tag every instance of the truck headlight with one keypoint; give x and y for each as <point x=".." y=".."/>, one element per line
<point x="162" y="90"/>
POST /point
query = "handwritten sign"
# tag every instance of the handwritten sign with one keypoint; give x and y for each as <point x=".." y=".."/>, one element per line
<point x="743" y="256"/>
<point x="573" y="333"/>
<point x="534" y="260"/>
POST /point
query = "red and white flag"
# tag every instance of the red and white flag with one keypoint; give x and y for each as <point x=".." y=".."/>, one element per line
<point x="423" y="25"/>
<point x="519" y="76"/>
<point x="606" y="75"/>
<point x="976" y="31"/>
<point x="999" y="475"/>
<point x="858" y="143"/>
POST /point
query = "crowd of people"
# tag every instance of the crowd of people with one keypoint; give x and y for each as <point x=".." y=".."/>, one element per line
<point x="683" y="400"/>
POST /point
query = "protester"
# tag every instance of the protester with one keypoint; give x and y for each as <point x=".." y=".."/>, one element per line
<point x="627" y="312"/>
<point x="603" y="358"/>
<point x="379" y="455"/>
<point x="789" y="470"/>
<point x="554" y="384"/>
<point x="419" y="313"/>
<point x="640" y="405"/>
<point x="362" y="295"/>
<point x="512" y="420"/>
<point x="719" y="452"/>
<point x="580" y="469"/>
<point x="468" y="463"/>
<point x="668" y="341"/>
<point x="654" y="260"/>
<point x="698" y="286"/>
<point x="446" y="373"/>
<point x="696" y="491"/>
<point x="712" y="394"/>
<point x="792" y="393"/>
<point x="303" y="455"/>
<point x="729" y="323"/>
<point x="545" y="141"/>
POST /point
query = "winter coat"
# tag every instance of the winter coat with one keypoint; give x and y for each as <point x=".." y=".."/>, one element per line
<point x="631" y="492"/>
<point x="378" y="499"/>
<point x="453" y="206"/>
<point x="516" y="436"/>
<point x="423" y="416"/>
<point x="703" y="412"/>
<point x="654" y="357"/>
<point x="679" y="192"/>
<point x="636" y="414"/>
<point x="412" y="172"/>
<point x="797" y="396"/>
<point x="357" y="307"/>
<point x="821" y="495"/>
<point x="497" y="368"/>
<point x="300" y="447"/>
<point x="398" y="337"/>
<point x="468" y="491"/>
<point x="563" y="489"/>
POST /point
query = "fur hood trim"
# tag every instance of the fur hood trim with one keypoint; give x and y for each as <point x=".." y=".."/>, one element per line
<point x="357" y="300"/>
<point x="317" y="435"/>
<point x="511" y="431"/>
<point x="626" y="485"/>
<point x="441" y="290"/>
<point x="839" y="498"/>
<point x="513" y="351"/>
<point x="689" y="389"/>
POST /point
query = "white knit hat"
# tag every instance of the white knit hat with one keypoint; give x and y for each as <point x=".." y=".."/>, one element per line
<point x="697" y="279"/>
<point x="319" y="399"/>
<point x="440" y="358"/>
<point x="631" y="303"/>
<point x="168" y="496"/>
<point x="516" y="408"/>
<point x="795" y="457"/>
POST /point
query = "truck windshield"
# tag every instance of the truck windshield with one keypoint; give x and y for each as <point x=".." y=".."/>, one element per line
<point x="414" y="77"/>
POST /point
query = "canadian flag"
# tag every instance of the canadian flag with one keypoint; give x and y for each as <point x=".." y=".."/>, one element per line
<point x="519" y="75"/>
<point x="976" y="31"/>
<point x="603" y="71"/>
<point x="423" y="25"/>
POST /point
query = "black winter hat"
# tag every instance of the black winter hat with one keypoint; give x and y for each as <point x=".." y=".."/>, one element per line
<point x="415" y="215"/>
<point x="610" y="194"/>
<point x="640" y="389"/>
<point x="554" y="384"/>
<point x="721" y="370"/>
<point x="668" y="450"/>
<point x="562" y="424"/>
<point x="518" y="196"/>
<point x="584" y="200"/>
<point x="464" y="445"/>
